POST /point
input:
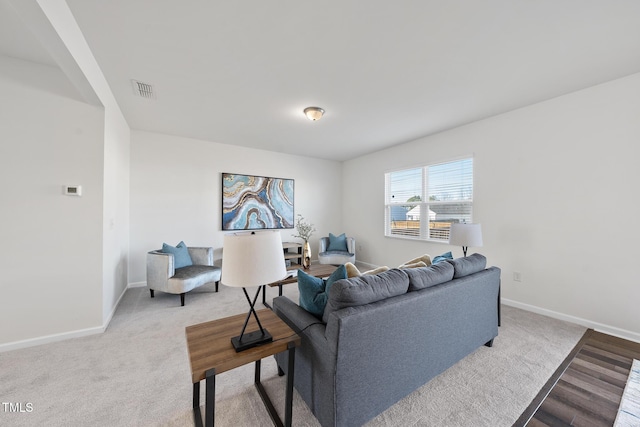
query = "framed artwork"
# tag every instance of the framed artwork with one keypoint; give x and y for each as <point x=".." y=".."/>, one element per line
<point x="252" y="202"/>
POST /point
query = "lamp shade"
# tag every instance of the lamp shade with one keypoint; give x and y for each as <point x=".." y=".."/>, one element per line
<point x="252" y="259"/>
<point x="465" y="235"/>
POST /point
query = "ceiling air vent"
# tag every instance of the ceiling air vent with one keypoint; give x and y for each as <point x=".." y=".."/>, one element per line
<point x="144" y="90"/>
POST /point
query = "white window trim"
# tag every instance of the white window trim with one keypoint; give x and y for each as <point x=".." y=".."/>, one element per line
<point x="424" y="234"/>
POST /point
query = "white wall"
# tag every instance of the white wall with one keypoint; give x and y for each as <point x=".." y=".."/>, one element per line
<point x="175" y="192"/>
<point x="556" y="193"/>
<point x="75" y="57"/>
<point x="51" y="252"/>
<point x="116" y="212"/>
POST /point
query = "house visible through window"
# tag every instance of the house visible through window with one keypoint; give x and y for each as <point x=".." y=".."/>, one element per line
<point x="422" y="203"/>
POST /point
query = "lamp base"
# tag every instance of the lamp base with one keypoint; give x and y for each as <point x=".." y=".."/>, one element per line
<point x="250" y="340"/>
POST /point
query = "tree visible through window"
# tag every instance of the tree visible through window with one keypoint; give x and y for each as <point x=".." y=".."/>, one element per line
<point x="422" y="203"/>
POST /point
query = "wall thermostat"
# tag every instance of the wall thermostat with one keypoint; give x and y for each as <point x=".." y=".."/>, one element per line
<point x="73" y="190"/>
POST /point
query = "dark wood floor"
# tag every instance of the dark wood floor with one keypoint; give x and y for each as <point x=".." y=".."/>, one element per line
<point x="587" y="388"/>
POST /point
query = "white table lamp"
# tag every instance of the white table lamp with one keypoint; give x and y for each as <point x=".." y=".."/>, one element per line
<point x="249" y="260"/>
<point x="465" y="235"/>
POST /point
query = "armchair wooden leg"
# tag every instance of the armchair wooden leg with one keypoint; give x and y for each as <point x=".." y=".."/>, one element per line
<point x="152" y="295"/>
<point x="182" y="299"/>
<point x="217" y="283"/>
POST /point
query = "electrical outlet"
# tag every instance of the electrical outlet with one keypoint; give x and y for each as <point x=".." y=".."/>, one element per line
<point x="517" y="276"/>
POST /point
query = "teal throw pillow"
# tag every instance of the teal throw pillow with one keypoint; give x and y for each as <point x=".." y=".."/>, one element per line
<point x="441" y="258"/>
<point x="338" y="243"/>
<point x="181" y="257"/>
<point x="314" y="291"/>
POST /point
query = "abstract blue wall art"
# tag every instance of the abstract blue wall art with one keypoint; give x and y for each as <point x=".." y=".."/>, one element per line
<point x="256" y="202"/>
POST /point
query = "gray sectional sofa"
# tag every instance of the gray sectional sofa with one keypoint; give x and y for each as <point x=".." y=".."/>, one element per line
<point x="383" y="336"/>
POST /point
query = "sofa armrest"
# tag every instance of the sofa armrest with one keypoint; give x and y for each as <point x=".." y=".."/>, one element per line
<point x="315" y="363"/>
<point x="301" y="321"/>
<point x="293" y="315"/>
<point x="351" y="245"/>
<point x="201" y="256"/>
<point x="323" y="244"/>
<point x="160" y="267"/>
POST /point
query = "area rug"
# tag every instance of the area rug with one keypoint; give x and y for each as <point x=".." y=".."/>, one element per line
<point x="490" y="387"/>
<point x="137" y="372"/>
<point x="629" y="412"/>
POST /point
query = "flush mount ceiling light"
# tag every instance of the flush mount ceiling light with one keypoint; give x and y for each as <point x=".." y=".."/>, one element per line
<point x="313" y="113"/>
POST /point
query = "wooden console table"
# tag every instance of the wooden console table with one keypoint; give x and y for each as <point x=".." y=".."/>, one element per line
<point x="211" y="353"/>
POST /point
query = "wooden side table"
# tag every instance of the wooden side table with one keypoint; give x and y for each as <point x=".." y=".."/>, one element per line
<point x="211" y="353"/>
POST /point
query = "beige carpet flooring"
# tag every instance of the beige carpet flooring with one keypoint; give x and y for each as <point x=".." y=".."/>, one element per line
<point x="137" y="372"/>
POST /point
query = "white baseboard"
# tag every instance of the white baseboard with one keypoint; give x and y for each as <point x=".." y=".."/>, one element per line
<point x="51" y="338"/>
<point x="115" y="307"/>
<point x="137" y="285"/>
<point x="47" y="339"/>
<point x="600" y="327"/>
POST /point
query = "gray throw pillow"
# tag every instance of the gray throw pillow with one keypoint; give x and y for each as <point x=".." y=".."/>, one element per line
<point x="468" y="265"/>
<point x="365" y="290"/>
<point x="424" y="277"/>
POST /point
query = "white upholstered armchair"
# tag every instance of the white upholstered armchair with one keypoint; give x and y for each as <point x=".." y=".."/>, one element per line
<point x="163" y="276"/>
<point x="329" y="255"/>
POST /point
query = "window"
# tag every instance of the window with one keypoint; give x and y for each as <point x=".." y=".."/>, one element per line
<point x="422" y="203"/>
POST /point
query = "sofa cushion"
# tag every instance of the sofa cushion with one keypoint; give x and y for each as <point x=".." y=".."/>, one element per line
<point x="424" y="277"/>
<point x="445" y="256"/>
<point x="192" y="276"/>
<point x="338" y="243"/>
<point x="181" y="257"/>
<point x="414" y="265"/>
<point x="424" y="258"/>
<point x="468" y="265"/>
<point x="377" y="270"/>
<point x="365" y="289"/>
<point x="314" y="290"/>
<point x="352" y="270"/>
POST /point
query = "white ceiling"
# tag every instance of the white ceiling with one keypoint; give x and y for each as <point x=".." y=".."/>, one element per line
<point x="17" y="41"/>
<point x="241" y="72"/>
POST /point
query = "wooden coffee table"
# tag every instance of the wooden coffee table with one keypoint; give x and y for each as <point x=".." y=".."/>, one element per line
<point x="211" y="353"/>
<point x="317" y="270"/>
